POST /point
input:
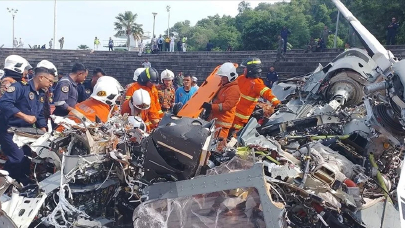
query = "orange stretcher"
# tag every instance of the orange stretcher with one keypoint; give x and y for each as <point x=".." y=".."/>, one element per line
<point x="205" y="93"/>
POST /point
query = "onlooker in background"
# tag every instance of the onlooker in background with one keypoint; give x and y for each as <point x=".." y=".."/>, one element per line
<point x="209" y="45"/>
<point x="183" y="94"/>
<point x="146" y="64"/>
<point x="179" y="45"/>
<point x="61" y="42"/>
<point x="167" y="43"/>
<point x="96" y="43"/>
<point x="20" y="43"/>
<point x="311" y="47"/>
<point x="178" y="80"/>
<point x="160" y="43"/>
<point x="110" y="45"/>
<point x="141" y="48"/>
<point x="392" y="31"/>
<point x="50" y="43"/>
<point x="172" y="39"/>
<point x="15" y="43"/>
<point x="154" y="43"/>
<point x="324" y="36"/>
<point x="43" y="46"/>
<point x="184" y="43"/>
<point x="271" y="78"/>
<point x="347" y="46"/>
<point x="280" y="53"/>
<point x="194" y="81"/>
<point x="284" y="34"/>
<point x="30" y="74"/>
<point x="229" y="47"/>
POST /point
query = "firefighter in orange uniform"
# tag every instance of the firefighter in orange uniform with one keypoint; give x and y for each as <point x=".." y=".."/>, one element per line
<point x="147" y="80"/>
<point x="251" y="88"/>
<point x="223" y="105"/>
<point x="166" y="90"/>
<point x="104" y="96"/>
<point x="137" y="72"/>
<point x="139" y="105"/>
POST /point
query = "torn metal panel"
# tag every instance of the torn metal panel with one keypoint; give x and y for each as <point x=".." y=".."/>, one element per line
<point x="379" y="213"/>
<point x="253" y="178"/>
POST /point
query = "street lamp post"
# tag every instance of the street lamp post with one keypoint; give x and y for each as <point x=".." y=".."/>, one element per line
<point x="13" y="13"/>
<point x="336" y="31"/>
<point x="54" y="25"/>
<point x="168" y="20"/>
<point x="154" y="16"/>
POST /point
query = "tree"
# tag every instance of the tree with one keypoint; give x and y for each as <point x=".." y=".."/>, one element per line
<point x="242" y="6"/>
<point x="83" y="47"/>
<point x="126" y="25"/>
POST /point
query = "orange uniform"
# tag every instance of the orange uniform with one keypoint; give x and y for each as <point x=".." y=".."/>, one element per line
<point x="125" y="108"/>
<point x="155" y="111"/>
<point x="224" y="107"/>
<point x="166" y="96"/>
<point x="92" y="108"/>
<point x="251" y="89"/>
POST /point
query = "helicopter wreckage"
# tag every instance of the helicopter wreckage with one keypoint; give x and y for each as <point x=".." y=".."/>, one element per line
<point x="330" y="156"/>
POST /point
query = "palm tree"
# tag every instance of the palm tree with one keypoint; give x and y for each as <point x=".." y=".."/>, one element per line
<point x="125" y="25"/>
<point x="82" y="47"/>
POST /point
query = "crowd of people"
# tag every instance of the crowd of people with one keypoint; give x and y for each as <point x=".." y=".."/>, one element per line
<point x="29" y="93"/>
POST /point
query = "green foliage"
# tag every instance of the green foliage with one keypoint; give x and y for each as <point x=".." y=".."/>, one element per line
<point x="258" y="28"/>
<point x="126" y="25"/>
<point x="83" y="47"/>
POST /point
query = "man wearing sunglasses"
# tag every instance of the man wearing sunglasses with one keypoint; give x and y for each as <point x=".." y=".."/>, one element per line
<point x="65" y="93"/>
<point x="22" y="106"/>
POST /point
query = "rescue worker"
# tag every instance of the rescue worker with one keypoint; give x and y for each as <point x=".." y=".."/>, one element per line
<point x="139" y="105"/>
<point x="85" y="89"/>
<point x="22" y="106"/>
<point x="65" y="94"/>
<point x="223" y="105"/>
<point x="49" y="93"/>
<point x="137" y="72"/>
<point x="147" y="80"/>
<point x="12" y="73"/>
<point x="166" y="90"/>
<point x="104" y="96"/>
<point x="251" y="89"/>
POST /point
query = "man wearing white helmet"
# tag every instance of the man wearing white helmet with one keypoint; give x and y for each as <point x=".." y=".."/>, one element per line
<point x="49" y="93"/>
<point x="166" y="91"/>
<point x="223" y="106"/>
<point x="138" y="106"/>
<point x="15" y="68"/>
<point x="105" y="94"/>
<point x="137" y="72"/>
<point x="194" y="81"/>
<point x="22" y="106"/>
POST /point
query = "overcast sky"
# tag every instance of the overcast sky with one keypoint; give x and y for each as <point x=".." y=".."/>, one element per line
<point x="80" y="21"/>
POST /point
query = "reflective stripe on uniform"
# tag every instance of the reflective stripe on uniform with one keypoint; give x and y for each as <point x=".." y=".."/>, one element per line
<point x="147" y="72"/>
<point x="242" y="116"/>
<point x="254" y="62"/>
<point x="127" y="97"/>
<point x="273" y="100"/>
<point x="59" y="103"/>
<point x="237" y="126"/>
<point x="263" y="90"/>
<point x="249" y="98"/>
<point x="220" y="107"/>
<point x="160" y="112"/>
<point x="148" y="123"/>
<point x="224" y="124"/>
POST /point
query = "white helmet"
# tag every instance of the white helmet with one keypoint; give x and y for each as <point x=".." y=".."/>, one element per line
<point x="141" y="99"/>
<point x="167" y="74"/>
<point x="107" y="90"/>
<point x="48" y="65"/>
<point x="228" y="70"/>
<point x="137" y="122"/>
<point x="1" y="73"/>
<point x="16" y="63"/>
<point x="194" y="79"/>
<point x="137" y="73"/>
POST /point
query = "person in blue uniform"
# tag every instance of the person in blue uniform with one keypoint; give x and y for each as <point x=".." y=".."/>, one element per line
<point x="85" y="89"/>
<point x="65" y="93"/>
<point x="22" y="106"/>
<point x="49" y="93"/>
